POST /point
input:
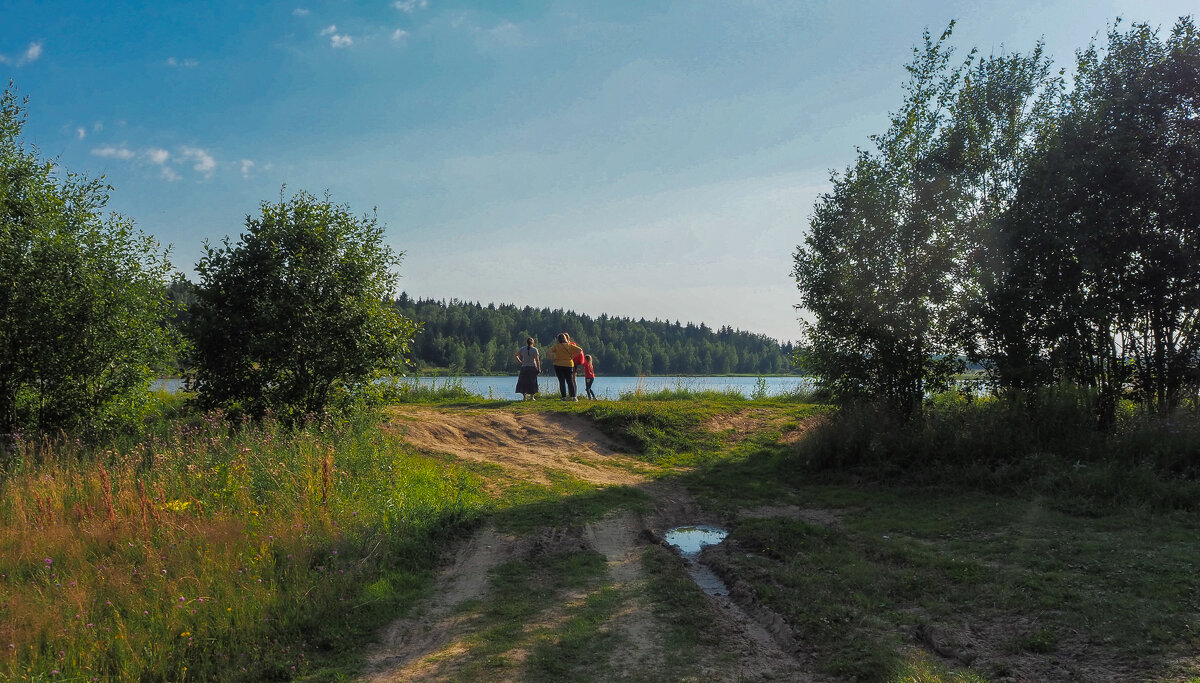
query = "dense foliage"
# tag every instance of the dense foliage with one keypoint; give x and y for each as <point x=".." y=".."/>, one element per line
<point x="1048" y="232"/>
<point x="296" y="316"/>
<point x="473" y="338"/>
<point x="82" y="297"/>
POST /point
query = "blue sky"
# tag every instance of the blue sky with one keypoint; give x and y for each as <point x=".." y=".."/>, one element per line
<point x="643" y="159"/>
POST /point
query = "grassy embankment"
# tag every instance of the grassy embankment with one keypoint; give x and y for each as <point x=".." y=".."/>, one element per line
<point x="206" y="552"/>
<point x="200" y="552"/>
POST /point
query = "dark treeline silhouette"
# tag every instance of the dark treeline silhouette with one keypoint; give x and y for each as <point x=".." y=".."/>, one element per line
<point x="474" y="338"/>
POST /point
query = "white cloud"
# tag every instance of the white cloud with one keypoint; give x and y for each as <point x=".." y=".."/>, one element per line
<point x="507" y="33"/>
<point x="204" y="161"/>
<point x="300" y="12"/>
<point x="80" y="133"/>
<point x="186" y="63"/>
<point x="399" y="34"/>
<point x="247" y="166"/>
<point x="168" y="174"/>
<point x="340" y="41"/>
<point x="410" y="6"/>
<point x="110" y="152"/>
<point x="157" y="156"/>
<point x="31" y="54"/>
<point x="332" y="28"/>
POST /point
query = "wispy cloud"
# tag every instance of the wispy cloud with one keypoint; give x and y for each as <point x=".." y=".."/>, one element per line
<point x="157" y="156"/>
<point x="399" y="34"/>
<point x="111" y="152"/>
<point x="30" y="55"/>
<point x="186" y="63"/>
<point x="97" y="127"/>
<point x="80" y="133"/>
<point x="204" y="162"/>
<point x="300" y="12"/>
<point x="170" y="163"/>
<point x="410" y="6"/>
<point x="337" y="40"/>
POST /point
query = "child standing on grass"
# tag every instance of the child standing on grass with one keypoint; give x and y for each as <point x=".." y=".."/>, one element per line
<point x="589" y="375"/>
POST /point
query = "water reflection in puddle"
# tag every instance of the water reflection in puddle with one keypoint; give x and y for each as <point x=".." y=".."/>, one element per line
<point x="690" y="540"/>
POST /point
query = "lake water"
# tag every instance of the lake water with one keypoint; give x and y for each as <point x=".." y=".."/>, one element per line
<point x="606" y="387"/>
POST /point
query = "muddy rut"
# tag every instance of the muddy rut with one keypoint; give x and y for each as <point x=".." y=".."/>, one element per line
<point x="434" y="642"/>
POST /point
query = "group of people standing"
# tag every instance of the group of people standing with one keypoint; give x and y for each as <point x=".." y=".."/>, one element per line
<point x="568" y="359"/>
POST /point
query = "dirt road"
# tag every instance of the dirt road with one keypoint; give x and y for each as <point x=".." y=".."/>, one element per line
<point x="436" y="642"/>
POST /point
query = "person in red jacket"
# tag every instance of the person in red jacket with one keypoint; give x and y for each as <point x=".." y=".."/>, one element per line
<point x="589" y="374"/>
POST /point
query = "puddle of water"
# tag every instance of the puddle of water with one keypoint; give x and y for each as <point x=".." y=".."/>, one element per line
<point x="690" y="540"/>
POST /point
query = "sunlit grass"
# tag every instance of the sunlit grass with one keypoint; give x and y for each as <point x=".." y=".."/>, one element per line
<point x="213" y="555"/>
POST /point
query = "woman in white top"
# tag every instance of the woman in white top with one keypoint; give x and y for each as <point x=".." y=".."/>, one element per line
<point x="531" y="367"/>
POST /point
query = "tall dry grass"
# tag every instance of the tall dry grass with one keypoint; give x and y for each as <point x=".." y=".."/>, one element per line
<point x="212" y="553"/>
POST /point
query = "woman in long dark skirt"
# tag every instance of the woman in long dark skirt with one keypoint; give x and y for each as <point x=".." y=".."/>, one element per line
<point x="531" y="367"/>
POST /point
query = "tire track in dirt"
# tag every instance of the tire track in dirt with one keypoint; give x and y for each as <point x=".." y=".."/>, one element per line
<point x="431" y="644"/>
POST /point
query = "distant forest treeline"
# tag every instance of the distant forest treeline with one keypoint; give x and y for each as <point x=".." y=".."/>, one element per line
<point x="474" y="338"/>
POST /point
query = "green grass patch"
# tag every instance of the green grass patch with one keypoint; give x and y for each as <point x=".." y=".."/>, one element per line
<point x="684" y="612"/>
<point x="252" y="554"/>
<point x="665" y="433"/>
<point x="542" y="620"/>
<point x="1028" y="578"/>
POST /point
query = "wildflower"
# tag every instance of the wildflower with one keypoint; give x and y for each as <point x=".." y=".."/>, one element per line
<point x="49" y="562"/>
<point x="185" y="634"/>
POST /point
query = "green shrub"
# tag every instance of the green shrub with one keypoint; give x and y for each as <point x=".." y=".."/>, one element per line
<point x="1046" y="443"/>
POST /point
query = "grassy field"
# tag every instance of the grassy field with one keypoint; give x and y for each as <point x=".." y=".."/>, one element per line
<point x="208" y="552"/>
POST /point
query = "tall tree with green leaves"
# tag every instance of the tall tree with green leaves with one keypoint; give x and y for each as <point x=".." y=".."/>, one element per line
<point x="1104" y="235"/>
<point x="1002" y="114"/>
<point x="297" y="318"/>
<point x="83" y="303"/>
<point x="877" y="267"/>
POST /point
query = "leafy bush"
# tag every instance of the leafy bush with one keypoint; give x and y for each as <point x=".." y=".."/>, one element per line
<point x="82" y="298"/>
<point x="296" y="318"/>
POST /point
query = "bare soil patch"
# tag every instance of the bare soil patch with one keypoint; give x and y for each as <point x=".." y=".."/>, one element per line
<point x="525" y="444"/>
<point x="431" y="644"/>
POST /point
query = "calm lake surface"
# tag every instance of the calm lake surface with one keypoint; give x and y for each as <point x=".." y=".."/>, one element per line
<point x="605" y="387"/>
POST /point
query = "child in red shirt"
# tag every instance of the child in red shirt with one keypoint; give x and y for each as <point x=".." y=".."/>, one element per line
<point x="589" y="375"/>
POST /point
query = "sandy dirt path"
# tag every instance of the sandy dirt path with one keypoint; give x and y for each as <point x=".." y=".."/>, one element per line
<point x="527" y="445"/>
<point x="431" y="644"/>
